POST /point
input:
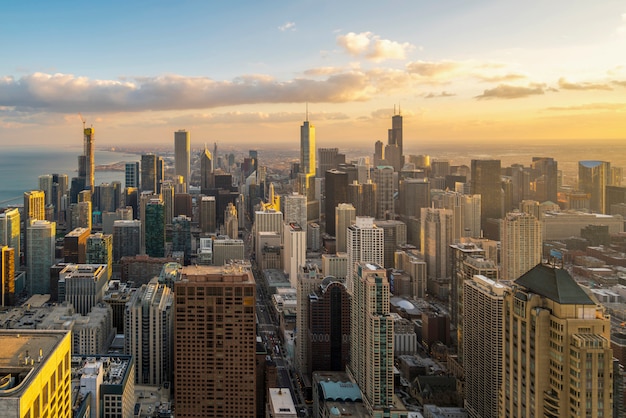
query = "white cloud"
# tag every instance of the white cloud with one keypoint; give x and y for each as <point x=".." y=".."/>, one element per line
<point x="287" y="26"/>
<point x="371" y="47"/>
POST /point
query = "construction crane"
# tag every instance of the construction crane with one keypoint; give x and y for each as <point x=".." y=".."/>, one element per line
<point x="82" y="119"/>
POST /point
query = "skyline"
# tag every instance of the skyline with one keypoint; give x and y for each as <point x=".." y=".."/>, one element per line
<point x="244" y="73"/>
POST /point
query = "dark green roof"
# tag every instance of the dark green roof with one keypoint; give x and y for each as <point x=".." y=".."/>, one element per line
<point x="555" y="284"/>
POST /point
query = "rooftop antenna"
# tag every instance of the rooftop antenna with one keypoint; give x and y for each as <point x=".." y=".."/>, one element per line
<point x="399" y="111"/>
<point x="394" y="110"/>
<point x="307" y="111"/>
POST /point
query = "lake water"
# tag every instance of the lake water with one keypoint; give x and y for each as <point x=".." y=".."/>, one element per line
<point x="20" y="168"/>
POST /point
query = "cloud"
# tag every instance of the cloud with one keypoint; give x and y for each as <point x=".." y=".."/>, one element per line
<point x="507" y="91"/>
<point x="373" y="48"/>
<point x="68" y="93"/>
<point x="621" y="30"/>
<point x="237" y="117"/>
<point x="291" y="26"/>
<point x="500" y="78"/>
<point x="566" y="85"/>
<point x="432" y="95"/>
<point x="432" y="69"/>
<point x="621" y="83"/>
<point x="590" y="106"/>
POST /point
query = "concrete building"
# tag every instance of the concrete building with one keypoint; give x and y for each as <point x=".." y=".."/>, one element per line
<point x="75" y="246"/>
<point x="231" y="221"/>
<point x="40" y="236"/>
<point x="215" y="352"/>
<point x="437" y="236"/>
<point x="208" y="218"/>
<point x="149" y="331"/>
<point x="335" y="265"/>
<point x="10" y="229"/>
<point x="294" y="209"/>
<point x="35" y="366"/>
<point x="99" y="250"/>
<point x="557" y="359"/>
<point x="485" y="181"/>
<point x="415" y="266"/>
<point x="382" y="176"/>
<point x="345" y="215"/>
<point x="562" y="225"/>
<point x="126" y="239"/>
<point x="83" y="285"/>
<point x="294" y="251"/>
<point x="366" y="243"/>
<point x="225" y="250"/>
<point x="309" y="279"/>
<point x="593" y="177"/>
<point x="522" y="244"/>
<point x="280" y="404"/>
<point x="483" y="305"/>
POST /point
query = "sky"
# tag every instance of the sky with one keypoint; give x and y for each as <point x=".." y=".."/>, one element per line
<point x="245" y="72"/>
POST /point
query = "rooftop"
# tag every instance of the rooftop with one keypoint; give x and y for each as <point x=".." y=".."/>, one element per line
<point x="555" y="284"/>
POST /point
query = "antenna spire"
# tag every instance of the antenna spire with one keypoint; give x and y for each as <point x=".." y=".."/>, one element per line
<point x="307" y="111"/>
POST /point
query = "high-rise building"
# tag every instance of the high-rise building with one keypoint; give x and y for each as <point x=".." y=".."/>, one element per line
<point x="437" y="227"/>
<point x="45" y="185"/>
<point x="522" y="239"/>
<point x="593" y="177"/>
<point x="100" y="251"/>
<point x="154" y="231"/>
<point x="557" y="356"/>
<point x="394" y="233"/>
<point x="34" y="205"/>
<point x="207" y="214"/>
<point x="327" y="160"/>
<point x="309" y="278"/>
<point x="395" y="133"/>
<point x="227" y="250"/>
<point x="83" y="285"/>
<point x="131" y="174"/>
<point x="412" y="264"/>
<point x="366" y="243"/>
<point x="75" y="246"/>
<point x="215" y="342"/>
<point x="336" y="193"/>
<point x="80" y="215"/>
<point x="206" y="171"/>
<point x="483" y="305"/>
<point x="345" y="215"/>
<point x="182" y="158"/>
<point x="383" y="178"/>
<point x="40" y="237"/>
<point x="413" y="195"/>
<point x="89" y="154"/>
<point x="126" y="239"/>
<point x="181" y="237"/>
<point x="7" y="276"/>
<point x="37" y="366"/>
<point x="371" y="340"/>
<point x="149" y="173"/>
<point x="109" y="196"/>
<point x="486" y="182"/>
<point x="294" y="251"/>
<point x="149" y="331"/>
<point x="294" y="209"/>
<point x="307" y="147"/>
<point x="10" y="229"/>
<point x="231" y="222"/>
<point x="546" y="184"/>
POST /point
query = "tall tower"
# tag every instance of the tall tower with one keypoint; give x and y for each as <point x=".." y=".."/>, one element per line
<point x="371" y="337"/>
<point x="7" y="276"/>
<point x="89" y="155"/>
<point x="206" y="171"/>
<point x="307" y="147"/>
<point x="154" y="231"/>
<point x="215" y="342"/>
<point x="521" y="237"/>
<point x="393" y="151"/>
<point x="486" y="182"/>
<point x="383" y="177"/>
<point x="131" y="174"/>
<point x="336" y="193"/>
<point x="557" y="356"/>
<point x="40" y="237"/>
<point x="483" y="305"/>
<point x="182" y="162"/>
<point x="294" y="251"/>
<point x="437" y="227"/>
<point x="99" y="250"/>
<point x="345" y="215"/>
<point x="149" y="173"/>
<point x="10" y="229"/>
<point x="309" y="278"/>
<point x="593" y="177"/>
<point x="149" y="325"/>
<point x="366" y="243"/>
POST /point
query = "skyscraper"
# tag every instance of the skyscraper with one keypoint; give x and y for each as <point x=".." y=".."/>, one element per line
<point x="215" y="342"/>
<point x="593" y="177"/>
<point x="522" y="239"/>
<point x="309" y="279"/>
<point x="149" y="173"/>
<point x="131" y="174"/>
<point x="181" y="237"/>
<point x="10" y="229"/>
<point x="336" y="193"/>
<point x="345" y="215"/>
<point x="371" y="340"/>
<point x="126" y="238"/>
<point x="366" y="243"/>
<point x="483" y="305"/>
<point x="327" y="160"/>
<point x="557" y="357"/>
<point x="307" y="147"/>
<point x="154" y="231"/>
<point x="383" y="178"/>
<point x="207" y="214"/>
<point x="294" y="250"/>
<point x="149" y="328"/>
<point x="295" y="209"/>
<point x="231" y="222"/>
<point x="182" y="162"/>
<point x="7" y="276"/>
<point x="548" y="179"/>
<point x="486" y="182"/>
<point x="437" y="227"/>
<point x="206" y="171"/>
<point x="34" y="205"/>
<point x="86" y="162"/>
<point x="100" y="251"/>
<point x="40" y="236"/>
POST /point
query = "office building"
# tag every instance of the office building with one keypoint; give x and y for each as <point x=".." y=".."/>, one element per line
<point x="206" y="171"/>
<point x="556" y="359"/>
<point x="327" y="160"/>
<point x="208" y="214"/>
<point x="108" y="196"/>
<point x="371" y="341"/>
<point x="40" y="237"/>
<point x="10" y="229"/>
<point x="309" y="278"/>
<point x="336" y="185"/>
<point x="35" y="365"/>
<point x="7" y="276"/>
<point x="395" y="136"/>
<point x="413" y="195"/>
<point x="593" y="177"/>
<point x="149" y="173"/>
<point x="366" y="243"/>
<point x="126" y="239"/>
<point x="383" y="178"/>
<point x="86" y="162"/>
<point x="268" y="221"/>
<point x="294" y="251"/>
<point x="345" y="215"/>
<point x="231" y="221"/>
<point x="394" y="233"/>
<point x="80" y="215"/>
<point x="149" y="331"/>
<point x="485" y="181"/>
<point x="227" y="250"/>
<point x="34" y="205"/>
<point x="181" y="238"/>
<point x="45" y="185"/>
<point x="182" y="157"/>
<point x="415" y="266"/>
<point x="75" y="246"/>
<point x="99" y="250"/>
<point x="215" y="342"/>
<point x="294" y="209"/>
<point x="131" y="174"/>
<point x="522" y="240"/>
<point x="483" y="307"/>
<point x="307" y="147"/>
<point x="83" y="285"/>
<point x="547" y="183"/>
<point x="335" y="265"/>
<point x="103" y="386"/>
<point x="437" y="235"/>
<point x="329" y="326"/>
<point x="154" y="231"/>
